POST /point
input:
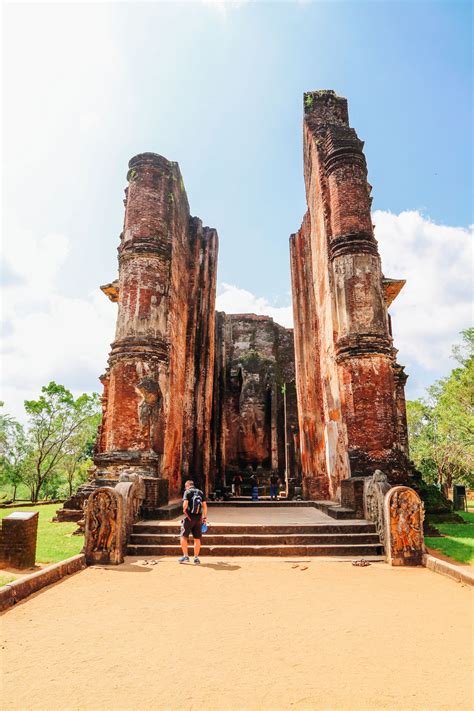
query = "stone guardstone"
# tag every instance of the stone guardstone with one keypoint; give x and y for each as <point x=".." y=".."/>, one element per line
<point x="352" y="495"/>
<point x="132" y="492"/>
<point x="404" y="514"/>
<point x="375" y="489"/>
<point x="104" y="529"/>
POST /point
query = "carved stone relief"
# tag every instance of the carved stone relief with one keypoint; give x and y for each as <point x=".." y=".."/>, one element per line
<point x="404" y="514"/>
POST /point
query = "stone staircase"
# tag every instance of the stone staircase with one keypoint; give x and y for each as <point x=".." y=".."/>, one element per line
<point x="336" y="538"/>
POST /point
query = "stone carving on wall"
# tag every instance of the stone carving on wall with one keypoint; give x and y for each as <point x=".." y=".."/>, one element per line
<point x="150" y="410"/>
<point x="375" y="488"/>
<point x="104" y="527"/>
<point x="131" y="487"/>
<point x="404" y="514"/>
<point x="138" y="492"/>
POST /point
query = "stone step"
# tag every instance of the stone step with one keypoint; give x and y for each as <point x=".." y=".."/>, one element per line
<point x="159" y="528"/>
<point x="334" y="510"/>
<point x="242" y="502"/>
<point x="245" y="539"/>
<point x="354" y="551"/>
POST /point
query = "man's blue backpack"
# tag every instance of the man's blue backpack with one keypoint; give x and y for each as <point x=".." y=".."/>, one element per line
<point x="195" y="504"/>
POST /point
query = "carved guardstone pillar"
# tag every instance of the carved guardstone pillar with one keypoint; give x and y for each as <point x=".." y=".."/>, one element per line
<point x="404" y="515"/>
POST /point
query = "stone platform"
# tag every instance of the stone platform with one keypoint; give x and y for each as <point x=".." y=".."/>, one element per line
<point x="262" y="530"/>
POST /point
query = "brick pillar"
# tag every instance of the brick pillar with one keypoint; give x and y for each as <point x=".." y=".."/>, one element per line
<point x="363" y="344"/>
<point x="133" y="432"/>
<point x="18" y="535"/>
<point x="346" y="371"/>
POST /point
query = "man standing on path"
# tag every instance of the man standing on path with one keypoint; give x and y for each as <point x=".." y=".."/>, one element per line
<point x="274" y="485"/>
<point x="195" y="512"/>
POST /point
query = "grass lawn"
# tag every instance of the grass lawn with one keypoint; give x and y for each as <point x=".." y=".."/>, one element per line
<point x="55" y="541"/>
<point x="458" y="539"/>
<point x="6" y="578"/>
<point x="22" y="493"/>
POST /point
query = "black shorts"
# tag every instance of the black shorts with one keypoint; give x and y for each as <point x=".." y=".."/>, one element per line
<point x="191" y="526"/>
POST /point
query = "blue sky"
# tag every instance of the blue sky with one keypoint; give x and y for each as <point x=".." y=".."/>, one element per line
<point x="218" y="87"/>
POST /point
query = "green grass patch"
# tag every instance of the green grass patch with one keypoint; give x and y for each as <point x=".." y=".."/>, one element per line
<point x="4" y="579"/>
<point x="458" y="539"/>
<point x="55" y="540"/>
<point x="22" y="492"/>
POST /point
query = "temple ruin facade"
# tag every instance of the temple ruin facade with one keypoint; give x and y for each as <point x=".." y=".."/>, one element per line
<point x="194" y="393"/>
<point x="350" y="387"/>
<point x="188" y="392"/>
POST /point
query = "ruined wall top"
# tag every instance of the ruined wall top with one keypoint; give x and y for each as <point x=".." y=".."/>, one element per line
<point x="324" y="108"/>
<point x="154" y="159"/>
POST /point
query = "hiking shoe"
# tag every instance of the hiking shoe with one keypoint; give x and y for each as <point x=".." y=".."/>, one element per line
<point x="183" y="559"/>
<point x="197" y="561"/>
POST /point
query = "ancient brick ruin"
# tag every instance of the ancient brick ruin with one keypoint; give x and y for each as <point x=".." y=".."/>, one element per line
<point x="350" y="387"/>
<point x="255" y="411"/>
<point x="157" y="400"/>
<point x="189" y="392"/>
<point x="18" y="535"/>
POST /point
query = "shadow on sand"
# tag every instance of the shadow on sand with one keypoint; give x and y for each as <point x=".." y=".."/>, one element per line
<point x="127" y="568"/>
<point x="220" y="566"/>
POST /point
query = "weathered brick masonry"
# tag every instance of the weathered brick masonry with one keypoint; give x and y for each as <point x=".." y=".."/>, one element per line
<point x="254" y="362"/>
<point x="158" y="385"/>
<point x="350" y="388"/>
<point x="191" y="393"/>
<point x="18" y="534"/>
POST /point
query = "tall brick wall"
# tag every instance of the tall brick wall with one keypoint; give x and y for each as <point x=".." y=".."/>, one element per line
<point x="254" y="358"/>
<point x="350" y="389"/>
<point x="158" y="385"/>
<point x="200" y="354"/>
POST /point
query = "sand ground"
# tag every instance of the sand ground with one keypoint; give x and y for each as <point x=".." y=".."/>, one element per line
<point x="241" y="633"/>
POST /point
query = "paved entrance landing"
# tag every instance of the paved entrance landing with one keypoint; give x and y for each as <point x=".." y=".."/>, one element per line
<point x="264" y="515"/>
<point x="263" y="531"/>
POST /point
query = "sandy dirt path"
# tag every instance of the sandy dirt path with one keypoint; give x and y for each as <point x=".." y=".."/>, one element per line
<point x="242" y="634"/>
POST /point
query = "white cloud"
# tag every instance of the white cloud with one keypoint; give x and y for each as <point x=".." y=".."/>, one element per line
<point x="436" y="302"/>
<point x="233" y="300"/>
<point x="223" y="6"/>
<point x="48" y="335"/>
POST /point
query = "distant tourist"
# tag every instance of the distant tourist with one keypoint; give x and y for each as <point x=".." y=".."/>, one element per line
<point x="237" y="484"/>
<point x="274" y="485"/>
<point x="195" y="514"/>
<point x="254" y="487"/>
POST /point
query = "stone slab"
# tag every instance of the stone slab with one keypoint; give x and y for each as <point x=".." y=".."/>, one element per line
<point x="20" y="515"/>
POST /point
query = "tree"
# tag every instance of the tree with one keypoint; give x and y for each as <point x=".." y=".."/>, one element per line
<point x="13" y="452"/>
<point x="441" y="426"/>
<point x="78" y="453"/>
<point x="55" y="420"/>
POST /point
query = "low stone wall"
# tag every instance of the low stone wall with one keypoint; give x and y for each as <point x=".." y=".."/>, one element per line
<point x="18" y="535"/>
<point x="457" y="572"/>
<point x="23" y="587"/>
